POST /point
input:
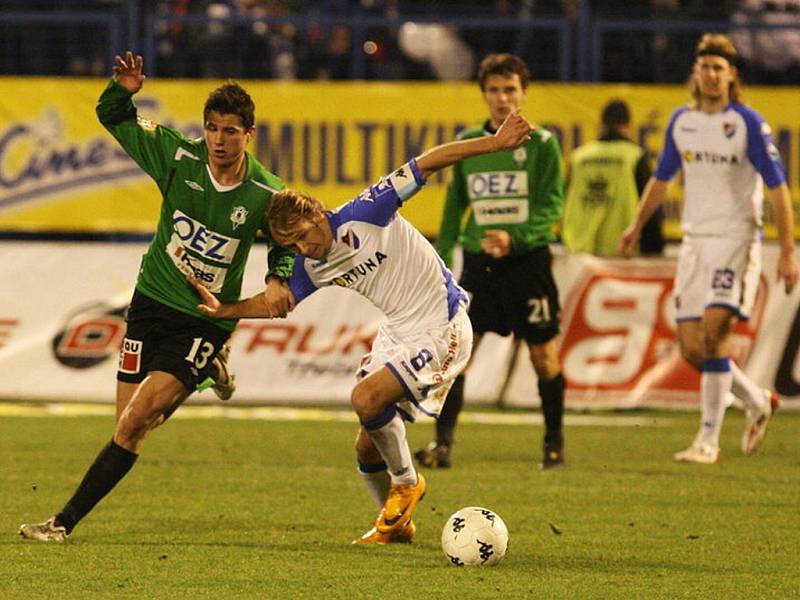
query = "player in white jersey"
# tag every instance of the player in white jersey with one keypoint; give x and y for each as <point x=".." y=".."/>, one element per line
<point x="426" y="340"/>
<point x="726" y="151"/>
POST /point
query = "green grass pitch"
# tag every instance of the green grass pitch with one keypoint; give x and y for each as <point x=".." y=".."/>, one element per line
<point x="266" y="509"/>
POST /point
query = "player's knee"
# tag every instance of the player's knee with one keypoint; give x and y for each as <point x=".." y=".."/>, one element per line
<point x="132" y="429"/>
<point x="713" y="346"/>
<point x="365" y="401"/>
<point x="693" y="356"/>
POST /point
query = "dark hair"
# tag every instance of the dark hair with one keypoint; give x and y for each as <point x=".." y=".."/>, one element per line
<point x="503" y="64"/>
<point x="616" y="113"/>
<point x="231" y="99"/>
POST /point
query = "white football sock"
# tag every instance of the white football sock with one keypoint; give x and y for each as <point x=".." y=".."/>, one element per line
<point x="746" y="389"/>
<point x="377" y="483"/>
<point x="714" y="385"/>
<point x="390" y="440"/>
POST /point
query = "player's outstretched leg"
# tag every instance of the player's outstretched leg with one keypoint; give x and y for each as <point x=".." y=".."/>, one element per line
<point x="110" y="466"/>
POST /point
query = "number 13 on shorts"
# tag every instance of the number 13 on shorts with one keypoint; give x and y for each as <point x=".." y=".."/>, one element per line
<point x="200" y="352"/>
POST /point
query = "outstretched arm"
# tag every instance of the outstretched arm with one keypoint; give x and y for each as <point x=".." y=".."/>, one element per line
<point x="512" y="133"/>
<point x="276" y="300"/>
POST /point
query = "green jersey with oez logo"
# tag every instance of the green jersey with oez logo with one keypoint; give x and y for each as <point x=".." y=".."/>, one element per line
<point x="520" y="191"/>
<point x="205" y="229"/>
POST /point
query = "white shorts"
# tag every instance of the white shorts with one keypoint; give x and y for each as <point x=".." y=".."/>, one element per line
<point x="716" y="271"/>
<point x="426" y="366"/>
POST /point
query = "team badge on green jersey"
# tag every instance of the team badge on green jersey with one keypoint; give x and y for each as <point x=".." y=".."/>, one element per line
<point x="520" y="155"/>
<point x="146" y="124"/>
<point x="238" y="216"/>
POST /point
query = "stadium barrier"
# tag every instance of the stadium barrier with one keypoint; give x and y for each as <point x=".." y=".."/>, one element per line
<point x="61" y="325"/>
<point x="61" y="172"/>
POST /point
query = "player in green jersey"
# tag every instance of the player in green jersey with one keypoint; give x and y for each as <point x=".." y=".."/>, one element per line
<point x="214" y="199"/>
<point x="514" y="198"/>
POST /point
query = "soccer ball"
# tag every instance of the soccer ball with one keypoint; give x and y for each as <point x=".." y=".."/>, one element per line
<point x="474" y="537"/>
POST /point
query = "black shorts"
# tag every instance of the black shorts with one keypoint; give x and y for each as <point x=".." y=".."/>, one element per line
<point x="160" y="338"/>
<point x="513" y="294"/>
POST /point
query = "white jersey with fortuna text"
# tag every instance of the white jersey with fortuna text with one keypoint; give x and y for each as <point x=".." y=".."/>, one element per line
<point x="380" y="255"/>
<point x="724" y="157"/>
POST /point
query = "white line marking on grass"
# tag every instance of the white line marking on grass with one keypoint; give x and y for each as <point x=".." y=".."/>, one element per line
<point x="276" y="413"/>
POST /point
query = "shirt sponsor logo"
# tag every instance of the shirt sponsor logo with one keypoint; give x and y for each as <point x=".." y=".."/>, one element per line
<point x="497" y="184"/>
<point x="711" y="158"/>
<point x="500" y="212"/>
<point x="361" y="270"/>
<point x="209" y="244"/>
<point x="130" y="356"/>
<point x="212" y="277"/>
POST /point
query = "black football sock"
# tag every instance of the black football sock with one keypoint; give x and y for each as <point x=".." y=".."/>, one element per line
<point x="110" y="466"/>
<point x="446" y="423"/>
<point x="551" y="393"/>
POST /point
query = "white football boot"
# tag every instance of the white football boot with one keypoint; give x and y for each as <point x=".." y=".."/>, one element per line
<point x="44" y="532"/>
<point x="698" y="453"/>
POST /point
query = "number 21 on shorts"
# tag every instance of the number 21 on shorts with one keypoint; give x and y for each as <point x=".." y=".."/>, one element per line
<point x="540" y="310"/>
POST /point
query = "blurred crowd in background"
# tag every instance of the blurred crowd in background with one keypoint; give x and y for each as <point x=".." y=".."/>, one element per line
<point x="399" y="39"/>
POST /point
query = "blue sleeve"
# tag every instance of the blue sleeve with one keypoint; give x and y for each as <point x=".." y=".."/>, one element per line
<point x="761" y="150"/>
<point x="300" y="283"/>
<point x="379" y="202"/>
<point x="670" y="160"/>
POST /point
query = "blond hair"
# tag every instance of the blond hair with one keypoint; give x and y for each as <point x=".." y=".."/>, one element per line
<point x="290" y="208"/>
<point x="716" y="44"/>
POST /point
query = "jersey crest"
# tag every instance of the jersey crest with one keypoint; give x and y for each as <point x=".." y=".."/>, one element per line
<point x="238" y="216"/>
<point x="729" y="129"/>
<point x="351" y="239"/>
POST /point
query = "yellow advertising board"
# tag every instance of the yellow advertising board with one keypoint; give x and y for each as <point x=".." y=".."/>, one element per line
<point x="61" y="171"/>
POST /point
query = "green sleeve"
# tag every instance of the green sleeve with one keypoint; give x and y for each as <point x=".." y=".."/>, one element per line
<point x="455" y="203"/>
<point x="547" y="202"/>
<point x="280" y="261"/>
<point x="151" y="146"/>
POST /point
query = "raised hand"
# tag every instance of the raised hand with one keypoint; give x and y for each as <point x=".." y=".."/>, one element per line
<point x="514" y="131"/>
<point x="128" y="71"/>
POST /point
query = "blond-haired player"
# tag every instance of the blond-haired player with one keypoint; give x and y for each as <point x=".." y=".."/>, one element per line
<point x="426" y="340"/>
<point x="726" y="152"/>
